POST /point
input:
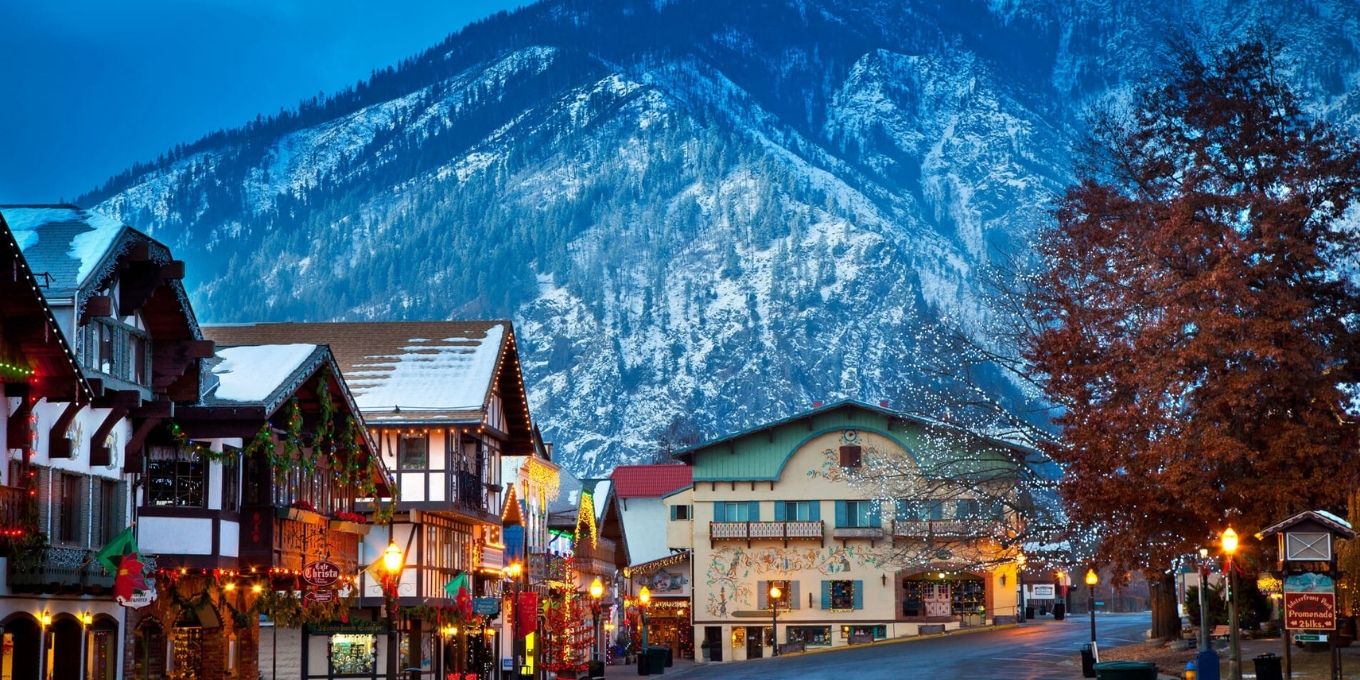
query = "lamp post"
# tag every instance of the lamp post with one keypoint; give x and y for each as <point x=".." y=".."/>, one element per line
<point x="44" y="620"/>
<point x="1203" y="610"/>
<point x="86" y="618"/>
<point x="392" y="562"/>
<point x="1020" y="581"/>
<point x="1092" y="578"/>
<point x="644" y="599"/>
<point x="596" y="592"/>
<point x="1229" y="544"/>
<point x="512" y="572"/>
<point x="775" y="594"/>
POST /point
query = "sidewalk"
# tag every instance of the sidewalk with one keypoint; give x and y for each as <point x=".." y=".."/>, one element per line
<point x="680" y="667"/>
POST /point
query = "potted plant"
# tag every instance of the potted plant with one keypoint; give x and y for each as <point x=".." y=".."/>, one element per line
<point x="706" y="650"/>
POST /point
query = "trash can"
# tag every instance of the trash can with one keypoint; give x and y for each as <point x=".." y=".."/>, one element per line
<point x="1059" y="611"/>
<point x="644" y="663"/>
<point x="413" y="674"/>
<point x="1126" y="670"/>
<point x="1268" y="667"/>
<point x="596" y="670"/>
<point x="1088" y="662"/>
<point x="657" y="662"/>
<point x="669" y="654"/>
<point x="1029" y="612"/>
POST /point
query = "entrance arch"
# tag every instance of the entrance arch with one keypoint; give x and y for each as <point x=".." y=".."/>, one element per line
<point x="65" y="634"/>
<point x="20" y="651"/>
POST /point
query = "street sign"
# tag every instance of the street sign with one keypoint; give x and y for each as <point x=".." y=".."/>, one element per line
<point x="321" y="573"/>
<point x="486" y="606"/>
<point x="1100" y="603"/>
<point x="1310" y="637"/>
<point x="1043" y="591"/>
<point x="1309" y="602"/>
<point x="318" y="596"/>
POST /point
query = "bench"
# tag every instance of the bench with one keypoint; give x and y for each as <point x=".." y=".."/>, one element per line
<point x="930" y="628"/>
<point x="1220" y="632"/>
<point x="790" y="647"/>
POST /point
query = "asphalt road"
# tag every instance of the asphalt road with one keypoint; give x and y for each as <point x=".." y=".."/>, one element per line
<point x="1041" y="650"/>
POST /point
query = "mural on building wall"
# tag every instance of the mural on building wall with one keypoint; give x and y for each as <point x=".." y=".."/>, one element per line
<point x="733" y="570"/>
<point x="830" y="468"/>
<point x="663" y="582"/>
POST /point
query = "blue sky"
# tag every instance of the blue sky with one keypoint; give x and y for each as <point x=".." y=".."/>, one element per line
<point x="92" y="86"/>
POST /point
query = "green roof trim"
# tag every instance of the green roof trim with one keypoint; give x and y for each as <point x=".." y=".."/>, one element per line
<point x="749" y="456"/>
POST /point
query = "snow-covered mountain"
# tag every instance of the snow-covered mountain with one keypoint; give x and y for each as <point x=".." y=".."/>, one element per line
<point x="700" y="214"/>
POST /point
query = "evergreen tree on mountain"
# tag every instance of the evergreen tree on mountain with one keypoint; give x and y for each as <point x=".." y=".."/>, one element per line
<point x="1196" y="317"/>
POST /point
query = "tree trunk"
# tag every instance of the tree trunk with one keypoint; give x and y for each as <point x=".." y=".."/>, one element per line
<point x="1166" y="620"/>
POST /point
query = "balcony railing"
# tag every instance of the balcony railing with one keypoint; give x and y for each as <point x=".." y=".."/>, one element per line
<point x="58" y="568"/>
<point x="760" y="531"/>
<point x="871" y="533"/>
<point x="953" y="528"/>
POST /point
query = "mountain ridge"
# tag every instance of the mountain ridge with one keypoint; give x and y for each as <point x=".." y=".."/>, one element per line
<point x="700" y="215"/>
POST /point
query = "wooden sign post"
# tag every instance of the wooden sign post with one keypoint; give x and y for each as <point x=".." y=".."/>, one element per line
<point x="1307" y="567"/>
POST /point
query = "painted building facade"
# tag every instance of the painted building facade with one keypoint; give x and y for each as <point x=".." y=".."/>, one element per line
<point x="787" y="504"/>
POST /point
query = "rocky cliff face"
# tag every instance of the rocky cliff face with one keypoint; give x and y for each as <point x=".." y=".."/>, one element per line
<point x="700" y="214"/>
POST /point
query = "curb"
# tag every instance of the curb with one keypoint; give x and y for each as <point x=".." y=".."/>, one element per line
<point x="901" y="640"/>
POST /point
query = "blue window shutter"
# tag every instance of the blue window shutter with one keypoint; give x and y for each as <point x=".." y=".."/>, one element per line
<point x="719" y="512"/>
<point x="816" y="513"/>
<point x="826" y="595"/>
<point x="753" y="511"/>
<point x="859" y="594"/>
<point x="673" y="509"/>
<point x="793" y="595"/>
<point x="780" y="511"/>
<point x="875" y="514"/>
<point x="841" y="514"/>
<point x="762" y="594"/>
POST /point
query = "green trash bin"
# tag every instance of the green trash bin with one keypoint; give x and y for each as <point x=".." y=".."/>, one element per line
<point x="656" y="661"/>
<point x="1126" y="670"/>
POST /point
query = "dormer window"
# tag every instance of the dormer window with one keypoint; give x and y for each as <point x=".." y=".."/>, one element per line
<point x="119" y="350"/>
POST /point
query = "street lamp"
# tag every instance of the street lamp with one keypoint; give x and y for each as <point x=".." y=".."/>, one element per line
<point x="1203" y="611"/>
<point x="1229" y="544"/>
<point x="44" y="620"/>
<point x="513" y="572"/>
<point x="1020" y="581"/>
<point x="775" y="594"/>
<point x="1092" y="578"/>
<point x="392" y="562"/>
<point x="86" y="618"/>
<point x="644" y="599"/>
<point x="596" y="592"/>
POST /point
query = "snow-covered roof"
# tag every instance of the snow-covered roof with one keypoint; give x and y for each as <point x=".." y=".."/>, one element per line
<point x="64" y="242"/>
<point x="400" y="372"/>
<point x="252" y="373"/>
<point x="449" y="373"/>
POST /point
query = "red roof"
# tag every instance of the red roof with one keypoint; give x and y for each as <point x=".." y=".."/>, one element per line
<point x="650" y="481"/>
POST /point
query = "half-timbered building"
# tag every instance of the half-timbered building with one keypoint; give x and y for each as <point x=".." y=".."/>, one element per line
<point x="444" y="401"/>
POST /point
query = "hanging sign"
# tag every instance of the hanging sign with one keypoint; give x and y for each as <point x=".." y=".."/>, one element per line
<point x="486" y="606"/>
<point x="1309" y="602"/>
<point x="317" y="596"/>
<point x="321" y="573"/>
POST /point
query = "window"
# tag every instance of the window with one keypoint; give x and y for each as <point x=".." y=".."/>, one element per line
<point x="736" y="511"/>
<point x="967" y="508"/>
<point x="850" y="456"/>
<point x="681" y="512"/>
<point x="857" y="514"/>
<point x="104" y="362"/>
<point x="257" y="478"/>
<point x="797" y="511"/>
<point x="413" y="452"/>
<point x="842" y="595"/>
<point x="68" y="520"/>
<point x="109" y="507"/>
<point x="231" y="479"/>
<point x="919" y="510"/>
<point x="810" y="636"/>
<point x="863" y="633"/>
<point x="176" y="478"/>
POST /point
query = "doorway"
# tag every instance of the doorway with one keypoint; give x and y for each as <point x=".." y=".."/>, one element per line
<point x="755" y="642"/>
<point x="714" y="637"/>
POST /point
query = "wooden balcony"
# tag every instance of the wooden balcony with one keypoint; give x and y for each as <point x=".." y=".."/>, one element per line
<point x="844" y="533"/>
<point x="59" y="569"/>
<point x="766" y="531"/>
<point x="289" y="538"/>
<point x="946" y="528"/>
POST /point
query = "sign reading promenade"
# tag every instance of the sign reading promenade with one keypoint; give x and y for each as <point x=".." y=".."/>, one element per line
<point x="1309" y="602"/>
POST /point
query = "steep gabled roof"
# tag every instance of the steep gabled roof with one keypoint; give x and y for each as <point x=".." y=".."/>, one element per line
<point x="30" y="336"/>
<point x="650" y="481"/>
<point x="414" y="372"/>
